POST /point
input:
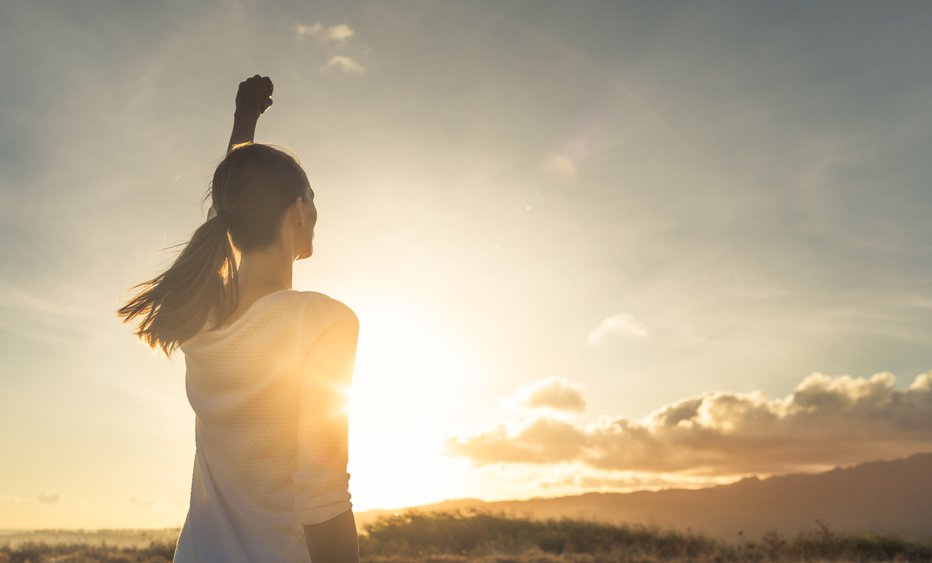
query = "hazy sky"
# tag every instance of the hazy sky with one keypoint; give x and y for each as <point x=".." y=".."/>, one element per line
<point x="592" y="246"/>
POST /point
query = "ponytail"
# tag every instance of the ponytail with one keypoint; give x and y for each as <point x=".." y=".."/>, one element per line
<point x="251" y="189"/>
<point x="175" y="304"/>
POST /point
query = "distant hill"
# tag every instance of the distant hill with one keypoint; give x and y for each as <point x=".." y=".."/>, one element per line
<point x="880" y="496"/>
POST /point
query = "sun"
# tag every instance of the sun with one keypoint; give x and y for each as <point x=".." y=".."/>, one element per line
<point x="411" y="377"/>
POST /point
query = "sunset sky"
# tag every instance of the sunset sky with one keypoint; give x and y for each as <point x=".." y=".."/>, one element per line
<point x="593" y="246"/>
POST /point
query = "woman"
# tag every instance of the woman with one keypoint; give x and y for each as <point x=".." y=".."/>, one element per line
<point x="268" y="367"/>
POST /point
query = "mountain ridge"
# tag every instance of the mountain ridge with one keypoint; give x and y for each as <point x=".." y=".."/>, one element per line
<point x="891" y="496"/>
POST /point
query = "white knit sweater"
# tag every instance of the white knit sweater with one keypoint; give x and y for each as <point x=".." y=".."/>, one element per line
<point x="269" y="392"/>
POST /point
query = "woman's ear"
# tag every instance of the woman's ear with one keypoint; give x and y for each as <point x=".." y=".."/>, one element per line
<point x="296" y="206"/>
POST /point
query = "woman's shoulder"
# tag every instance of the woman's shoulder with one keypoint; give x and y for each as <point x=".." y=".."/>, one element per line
<point x="318" y="306"/>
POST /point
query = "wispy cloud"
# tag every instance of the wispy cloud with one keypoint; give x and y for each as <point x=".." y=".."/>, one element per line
<point x="145" y="501"/>
<point x="345" y="64"/>
<point x="340" y="32"/>
<point x="825" y="421"/>
<point x="621" y="323"/>
<point x="337" y="37"/>
<point x="559" y="165"/>
<point x="49" y="498"/>
<point x="309" y="29"/>
<point x="335" y="33"/>
<point x="571" y="478"/>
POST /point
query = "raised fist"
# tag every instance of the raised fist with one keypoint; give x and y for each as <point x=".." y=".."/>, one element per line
<point x="254" y="96"/>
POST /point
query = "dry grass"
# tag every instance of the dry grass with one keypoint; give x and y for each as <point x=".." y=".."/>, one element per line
<point x="486" y="537"/>
<point x="490" y="537"/>
<point x="33" y="552"/>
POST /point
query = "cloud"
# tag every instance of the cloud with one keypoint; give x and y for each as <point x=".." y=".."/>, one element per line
<point x="560" y="166"/>
<point x="544" y="440"/>
<point x="825" y="421"/>
<point x="621" y="323"/>
<point x="572" y="478"/>
<point x="345" y="64"/>
<point x="555" y="392"/>
<point x="49" y="498"/>
<point x="335" y="33"/>
<point x="310" y="29"/>
<point x="340" y="32"/>
<point x="145" y="501"/>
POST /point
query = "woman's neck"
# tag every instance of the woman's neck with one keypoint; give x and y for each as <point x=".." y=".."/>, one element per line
<point x="264" y="270"/>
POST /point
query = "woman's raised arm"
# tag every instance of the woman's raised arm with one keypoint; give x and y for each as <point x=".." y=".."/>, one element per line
<point x="252" y="99"/>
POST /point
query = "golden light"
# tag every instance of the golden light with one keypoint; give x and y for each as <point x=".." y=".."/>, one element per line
<point x="411" y="380"/>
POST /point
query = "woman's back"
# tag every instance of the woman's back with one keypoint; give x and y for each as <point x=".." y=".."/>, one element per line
<point x="268" y="392"/>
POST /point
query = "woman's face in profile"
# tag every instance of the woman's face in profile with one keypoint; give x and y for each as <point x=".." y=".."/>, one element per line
<point x="309" y="211"/>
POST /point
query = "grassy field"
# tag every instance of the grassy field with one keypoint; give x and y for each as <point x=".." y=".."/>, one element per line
<point x="487" y="537"/>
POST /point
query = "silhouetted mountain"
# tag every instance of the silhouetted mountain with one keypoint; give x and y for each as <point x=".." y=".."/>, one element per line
<point x="880" y="496"/>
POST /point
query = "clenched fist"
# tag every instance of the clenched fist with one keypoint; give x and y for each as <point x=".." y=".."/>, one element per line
<point x="254" y="96"/>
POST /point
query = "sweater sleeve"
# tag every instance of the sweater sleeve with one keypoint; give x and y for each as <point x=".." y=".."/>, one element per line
<point x="321" y="481"/>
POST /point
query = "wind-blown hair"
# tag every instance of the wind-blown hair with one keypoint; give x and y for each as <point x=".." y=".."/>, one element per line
<point x="251" y="189"/>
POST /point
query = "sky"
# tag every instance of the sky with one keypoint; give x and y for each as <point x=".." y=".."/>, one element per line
<point x="593" y="246"/>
